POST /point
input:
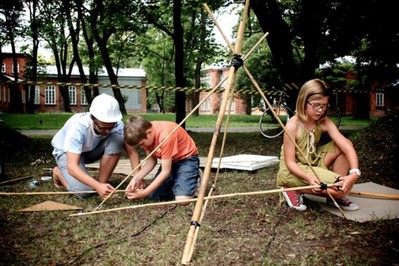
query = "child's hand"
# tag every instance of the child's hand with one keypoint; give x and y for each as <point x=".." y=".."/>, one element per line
<point x="141" y="184"/>
<point x="136" y="194"/>
<point x="313" y="182"/>
<point x="104" y="190"/>
<point x="138" y="183"/>
<point x="347" y="182"/>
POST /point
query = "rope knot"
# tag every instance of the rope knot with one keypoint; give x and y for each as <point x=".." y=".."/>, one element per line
<point x="237" y="61"/>
<point x="323" y="186"/>
<point x="195" y="223"/>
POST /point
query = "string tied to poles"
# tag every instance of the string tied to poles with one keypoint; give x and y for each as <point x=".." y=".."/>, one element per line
<point x="323" y="186"/>
<point x="195" y="224"/>
<point x="237" y="61"/>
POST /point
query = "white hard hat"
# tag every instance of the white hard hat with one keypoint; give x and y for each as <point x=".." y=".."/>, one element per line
<point x="105" y="108"/>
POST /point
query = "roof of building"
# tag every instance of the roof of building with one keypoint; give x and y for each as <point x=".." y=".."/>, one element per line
<point x="122" y="72"/>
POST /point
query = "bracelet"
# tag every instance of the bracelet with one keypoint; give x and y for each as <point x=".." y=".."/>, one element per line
<point x="355" y="170"/>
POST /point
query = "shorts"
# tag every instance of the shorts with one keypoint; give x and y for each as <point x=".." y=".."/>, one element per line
<point x="182" y="180"/>
<point x="113" y="144"/>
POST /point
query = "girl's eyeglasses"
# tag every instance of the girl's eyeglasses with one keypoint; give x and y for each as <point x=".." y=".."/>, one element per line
<point x="318" y="106"/>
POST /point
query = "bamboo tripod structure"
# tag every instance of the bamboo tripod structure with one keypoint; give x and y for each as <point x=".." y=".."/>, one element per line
<point x="200" y="205"/>
<point x="194" y="226"/>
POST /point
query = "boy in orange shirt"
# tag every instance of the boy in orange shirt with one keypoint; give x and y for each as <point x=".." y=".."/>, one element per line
<point x="179" y="172"/>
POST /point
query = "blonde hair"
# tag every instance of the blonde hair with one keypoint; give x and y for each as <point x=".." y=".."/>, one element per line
<point x="135" y="130"/>
<point x="311" y="90"/>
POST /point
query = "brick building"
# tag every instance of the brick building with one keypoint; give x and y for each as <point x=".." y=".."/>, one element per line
<point x="48" y="97"/>
<point x="213" y="76"/>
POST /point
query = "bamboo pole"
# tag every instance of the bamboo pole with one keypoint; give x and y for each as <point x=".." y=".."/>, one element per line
<point x="162" y="142"/>
<point x="223" y="196"/>
<point x="191" y="238"/>
<point x="205" y="177"/>
<point x="15" y="180"/>
<point x="192" y="111"/>
<point x="39" y="193"/>
<point x="35" y="193"/>
<point x="289" y="136"/>
<point x="191" y="251"/>
<point x="375" y="195"/>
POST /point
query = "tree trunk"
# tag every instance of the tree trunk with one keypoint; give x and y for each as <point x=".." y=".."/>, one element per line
<point x="15" y="94"/>
<point x="75" y="42"/>
<point x="361" y="106"/>
<point x="102" y="46"/>
<point x="33" y="71"/>
<point x="111" y="75"/>
<point x="180" y="96"/>
<point x="199" y="62"/>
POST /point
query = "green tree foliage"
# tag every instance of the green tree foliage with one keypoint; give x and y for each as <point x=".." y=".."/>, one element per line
<point x="10" y="25"/>
<point x="324" y="30"/>
<point x="167" y="51"/>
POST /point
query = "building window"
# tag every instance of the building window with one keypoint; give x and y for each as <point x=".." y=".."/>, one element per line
<point x="83" y="99"/>
<point x="379" y="99"/>
<point x="3" y="68"/>
<point x="72" y="95"/>
<point x="233" y="106"/>
<point x="37" y="95"/>
<point x="13" y="68"/>
<point x="206" y="106"/>
<point x="223" y="85"/>
<point x="206" y="81"/>
<point x="49" y="95"/>
<point x="24" y="96"/>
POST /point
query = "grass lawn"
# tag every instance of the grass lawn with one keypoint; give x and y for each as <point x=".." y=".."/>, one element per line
<point x="250" y="230"/>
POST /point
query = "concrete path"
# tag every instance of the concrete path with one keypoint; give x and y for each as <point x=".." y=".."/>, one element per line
<point x="206" y="129"/>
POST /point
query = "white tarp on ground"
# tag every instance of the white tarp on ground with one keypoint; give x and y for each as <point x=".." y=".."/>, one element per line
<point x="370" y="208"/>
<point x="247" y="162"/>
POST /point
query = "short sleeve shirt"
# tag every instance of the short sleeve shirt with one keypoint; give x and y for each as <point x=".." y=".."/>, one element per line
<point x="179" y="146"/>
<point x="78" y="135"/>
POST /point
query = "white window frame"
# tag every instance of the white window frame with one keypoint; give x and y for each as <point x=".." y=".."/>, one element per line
<point x="12" y="70"/>
<point x="50" y="95"/>
<point x="206" y="106"/>
<point x="379" y="99"/>
<point x="24" y="96"/>
<point x="83" y="98"/>
<point x="37" y="95"/>
<point x="223" y="85"/>
<point x="72" y="95"/>
<point x="207" y="80"/>
<point x="3" y="68"/>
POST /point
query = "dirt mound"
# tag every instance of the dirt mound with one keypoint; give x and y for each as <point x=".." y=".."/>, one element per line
<point x="377" y="148"/>
<point x="12" y="143"/>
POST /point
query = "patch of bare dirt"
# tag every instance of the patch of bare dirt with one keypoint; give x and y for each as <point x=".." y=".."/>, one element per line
<point x="378" y="151"/>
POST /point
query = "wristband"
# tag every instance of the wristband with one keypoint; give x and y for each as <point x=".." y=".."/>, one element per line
<point x="355" y="170"/>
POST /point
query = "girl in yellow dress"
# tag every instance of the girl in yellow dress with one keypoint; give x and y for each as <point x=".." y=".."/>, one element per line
<point x="334" y="161"/>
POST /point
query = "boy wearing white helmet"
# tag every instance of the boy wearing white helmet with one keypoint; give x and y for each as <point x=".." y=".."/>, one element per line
<point x="86" y="138"/>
